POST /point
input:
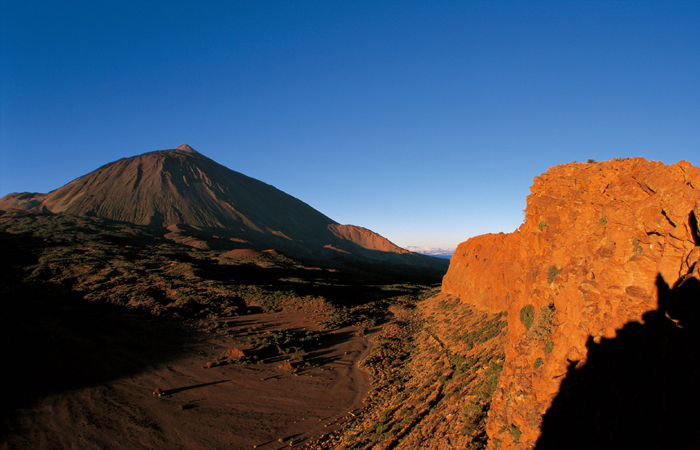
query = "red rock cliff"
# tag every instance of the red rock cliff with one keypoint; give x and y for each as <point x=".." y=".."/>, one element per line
<point x="584" y="263"/>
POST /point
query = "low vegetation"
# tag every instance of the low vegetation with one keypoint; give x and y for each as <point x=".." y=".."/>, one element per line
<point x="637" y="247"/>
<point x="136" y="268"/>
<point x="544" y="327"/>
<point x="432" y="381"/>
<point x="527" y="315"/>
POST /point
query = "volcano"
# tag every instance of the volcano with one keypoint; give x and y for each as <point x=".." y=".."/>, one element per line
<point x="184" y="191"/>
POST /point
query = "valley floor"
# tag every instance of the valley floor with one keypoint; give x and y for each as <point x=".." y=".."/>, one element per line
<point x="226" y="406"/>
<point x="248" y="349"/>
<point x="425" y="375"/>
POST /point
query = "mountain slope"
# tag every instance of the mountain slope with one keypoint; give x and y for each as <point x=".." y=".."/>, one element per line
<point x="170" y="188"/>
<point x="181" y="186"/>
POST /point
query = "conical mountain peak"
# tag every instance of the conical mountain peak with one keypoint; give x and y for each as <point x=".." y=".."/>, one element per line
<point x="181" y="186"/>
<point x="186" y="148"/>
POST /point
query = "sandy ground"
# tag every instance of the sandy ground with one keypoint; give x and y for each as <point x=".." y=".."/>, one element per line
<point x="95" y="389"/>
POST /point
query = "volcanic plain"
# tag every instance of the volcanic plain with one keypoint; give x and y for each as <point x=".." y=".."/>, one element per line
<point x="167" y="301"/>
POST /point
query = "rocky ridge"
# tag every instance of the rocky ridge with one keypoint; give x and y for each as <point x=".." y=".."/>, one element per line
<point x="598" y="244"/>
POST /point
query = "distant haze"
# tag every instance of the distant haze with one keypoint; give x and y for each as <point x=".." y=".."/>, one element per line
<point x="445" y="253"/>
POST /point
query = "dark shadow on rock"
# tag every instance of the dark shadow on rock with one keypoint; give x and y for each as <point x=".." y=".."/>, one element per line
<point x="694" y="229"/>
<point x="638" y="390"/>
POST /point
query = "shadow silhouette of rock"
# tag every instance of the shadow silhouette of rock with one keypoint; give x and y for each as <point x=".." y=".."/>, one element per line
<point x="639" y="389"/>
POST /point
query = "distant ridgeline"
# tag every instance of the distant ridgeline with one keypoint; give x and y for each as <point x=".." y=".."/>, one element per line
<point x="193" y="196"/>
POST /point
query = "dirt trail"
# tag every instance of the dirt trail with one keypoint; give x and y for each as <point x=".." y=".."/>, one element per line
<point x="229" y="406"/>
<point x="360" y="380"/>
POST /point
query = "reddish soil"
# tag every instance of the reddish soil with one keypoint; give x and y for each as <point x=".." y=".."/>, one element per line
<point x="228" y="406"/>
<point x="97" y="315"/>
<point x="241" y="253"/>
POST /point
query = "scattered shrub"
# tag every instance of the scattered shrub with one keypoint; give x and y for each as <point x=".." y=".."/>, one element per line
<point x="603" y="220"/>
<point x="548" y="347"/>
<point x="545" y="323"/>
<point x="538" y="363"/>
<point x="527" y="315"/>
<point x="638" y="250"/>
<point x="591" y="161"/>
<point x="515" y="432"/>
<point x="542" y="225"/>
<point x="491" y="380"/>
<point x="486" y="332"/>
<point x="472" y="410"/>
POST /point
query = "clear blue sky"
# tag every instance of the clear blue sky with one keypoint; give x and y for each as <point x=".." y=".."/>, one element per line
<point x="423" y="121"/>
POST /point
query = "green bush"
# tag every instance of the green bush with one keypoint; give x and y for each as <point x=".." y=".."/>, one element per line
<point x="542" y="226"/>
<point x="603" y="220"/>
<point x="527" y="315"/>
<point x="515" y="432"/>
<point x="491" y="380"/>
<point x="548" y="347"/>
<point x="538" y="363"/>
<point x="472" y="410"/>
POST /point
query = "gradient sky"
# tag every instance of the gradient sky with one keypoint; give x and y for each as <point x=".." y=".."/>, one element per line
<point x="423" y="121"/>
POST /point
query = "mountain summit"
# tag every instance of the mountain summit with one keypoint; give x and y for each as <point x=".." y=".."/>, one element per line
<point x="186" y="148"/>
<point x="172" y="188"/>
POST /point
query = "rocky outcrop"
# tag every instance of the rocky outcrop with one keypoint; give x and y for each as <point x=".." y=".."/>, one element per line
<point x="597" y="241"/>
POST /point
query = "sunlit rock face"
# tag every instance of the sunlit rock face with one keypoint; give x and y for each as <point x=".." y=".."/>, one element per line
<point x="597" y="242"/>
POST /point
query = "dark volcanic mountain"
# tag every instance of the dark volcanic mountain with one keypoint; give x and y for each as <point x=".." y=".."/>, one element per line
<point x="186" y="192"/>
